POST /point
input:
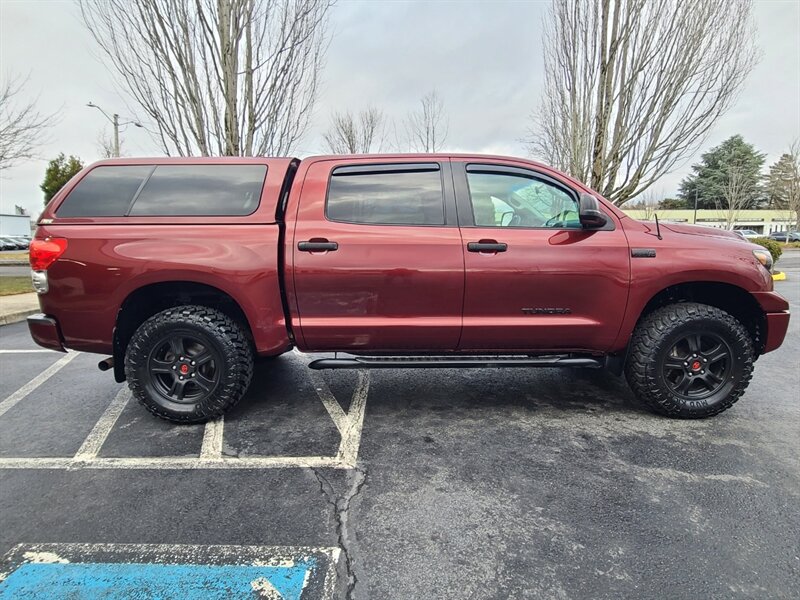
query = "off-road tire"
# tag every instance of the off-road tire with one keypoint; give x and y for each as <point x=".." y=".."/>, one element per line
<point x="653" y="340"/>
<point x="225" y="338"/>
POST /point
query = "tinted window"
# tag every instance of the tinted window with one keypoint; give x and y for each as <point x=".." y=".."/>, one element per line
<point x="504" y="200"/>
<point x="200" y="190"/>
<point x="104" y="192"/>
<point x="397" y="197"/>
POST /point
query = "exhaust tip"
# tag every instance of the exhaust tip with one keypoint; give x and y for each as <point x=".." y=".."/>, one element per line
<point x="105" y="365"/>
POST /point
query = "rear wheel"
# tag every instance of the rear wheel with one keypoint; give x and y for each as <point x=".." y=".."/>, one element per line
<point x="689" y="360"/>
<point x="189" y="364"/>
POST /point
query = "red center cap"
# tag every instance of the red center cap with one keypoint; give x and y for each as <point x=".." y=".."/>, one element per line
<point x="695" y="365"/>
<point x="184" y="369"/>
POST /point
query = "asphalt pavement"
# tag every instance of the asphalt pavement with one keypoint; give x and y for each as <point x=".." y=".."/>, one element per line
<point x="408" y="483"/>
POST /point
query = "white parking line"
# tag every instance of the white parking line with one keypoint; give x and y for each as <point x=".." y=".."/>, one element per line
<point x="212" y="440"/>
<point x="334" y="409"/>
<point x="34" y="383"/>
<point x="97" y="436"/>
<point x="177" y="462"/>
<point x="349" y="424"/>
<point x="351" y="436"/>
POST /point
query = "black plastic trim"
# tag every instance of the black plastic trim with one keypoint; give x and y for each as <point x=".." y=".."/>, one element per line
<point x="451" y="362"/>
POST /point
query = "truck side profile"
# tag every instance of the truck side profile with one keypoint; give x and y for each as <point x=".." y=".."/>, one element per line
<point x="183" y="270"/>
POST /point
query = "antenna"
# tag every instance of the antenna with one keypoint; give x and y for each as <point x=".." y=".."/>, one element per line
<point x="658" y="228"/>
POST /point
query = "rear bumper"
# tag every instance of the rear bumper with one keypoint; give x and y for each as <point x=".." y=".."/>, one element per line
<point x="46" y="332"/>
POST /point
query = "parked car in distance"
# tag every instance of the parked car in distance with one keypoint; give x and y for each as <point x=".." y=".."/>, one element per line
<point x="8" y="243"/>
<point x="785" y="236"/>
<point x="748" y="234"/>
<point x="185" y="269"/>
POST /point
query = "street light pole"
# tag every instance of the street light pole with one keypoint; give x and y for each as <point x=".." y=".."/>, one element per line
<point x="116" y="135"/>
<point x="115" y="122"/>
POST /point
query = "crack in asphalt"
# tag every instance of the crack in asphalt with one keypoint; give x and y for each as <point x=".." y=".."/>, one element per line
<point x="341" y="508"/>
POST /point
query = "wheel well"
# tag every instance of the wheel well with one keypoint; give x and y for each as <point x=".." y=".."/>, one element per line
<point x="151" y="299"/>
<point x="732" y="299"/>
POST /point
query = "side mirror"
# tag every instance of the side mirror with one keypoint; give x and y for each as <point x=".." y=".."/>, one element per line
<point x="591" y="216"/>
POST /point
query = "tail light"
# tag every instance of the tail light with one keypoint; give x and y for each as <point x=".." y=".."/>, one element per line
<point x="44" y="253"/>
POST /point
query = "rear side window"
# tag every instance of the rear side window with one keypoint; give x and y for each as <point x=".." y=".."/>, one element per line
<point x="201" y="190"/>
<point x="387" y="195"/>
<point x="104" y="192"/>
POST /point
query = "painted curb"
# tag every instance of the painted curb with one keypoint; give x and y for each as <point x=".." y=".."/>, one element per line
<point x="779" y="276"/>
<point x="18" y="316"/>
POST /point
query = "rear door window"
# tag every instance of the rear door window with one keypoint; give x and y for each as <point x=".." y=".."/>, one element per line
<point x="104" y="192"/>
<point x="406" y="194"/>
<point x="201" y="190"/>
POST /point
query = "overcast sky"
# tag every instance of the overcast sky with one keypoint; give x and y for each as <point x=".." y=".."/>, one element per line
<point x="484" y="58"/>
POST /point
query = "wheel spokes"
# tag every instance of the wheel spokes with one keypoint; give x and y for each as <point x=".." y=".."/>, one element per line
<point x="694" y="342"/>
<point x="673" y="363"/>
<point x="204" y="357"/>
<point x="683" y="384"/>
<point x="176" y="346"/>
<point x="160" y="366"/>
<point x="203" y="382"/>
<point x="717" y="354"/>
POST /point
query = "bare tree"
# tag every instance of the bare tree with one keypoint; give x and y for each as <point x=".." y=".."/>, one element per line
<point x="355" y="134"/>
<point x="632" y="87"/>
<point x="22" y="126"/>
<point x="427" y="127"/>
<point x="736" y="194"/>
<point x="647" y="203"/>
<point x="224" y="77"/>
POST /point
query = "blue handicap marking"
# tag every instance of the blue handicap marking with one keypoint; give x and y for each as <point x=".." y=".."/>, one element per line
<point x="192" y="582"/>
<point x="148" y="572"/>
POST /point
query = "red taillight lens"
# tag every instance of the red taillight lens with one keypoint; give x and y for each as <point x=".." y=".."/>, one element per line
<point x="44" y="252"/>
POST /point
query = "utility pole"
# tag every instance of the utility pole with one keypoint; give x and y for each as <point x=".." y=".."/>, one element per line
<point x="115" y="122"/>
<point x="116" y="135"/>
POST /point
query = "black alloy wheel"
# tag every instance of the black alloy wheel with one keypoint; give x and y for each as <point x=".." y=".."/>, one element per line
<point x="184" y="368"/>
<point x="697" y="365"/>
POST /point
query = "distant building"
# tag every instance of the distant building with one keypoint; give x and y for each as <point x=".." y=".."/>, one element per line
<point x="15" y="225"/>
<point x="760" y="221"/>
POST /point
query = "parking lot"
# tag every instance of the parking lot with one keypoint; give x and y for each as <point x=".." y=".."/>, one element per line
<point x="404" y="484"/>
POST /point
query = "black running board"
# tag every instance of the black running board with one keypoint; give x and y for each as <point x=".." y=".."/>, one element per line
<point x="453" y="362"/>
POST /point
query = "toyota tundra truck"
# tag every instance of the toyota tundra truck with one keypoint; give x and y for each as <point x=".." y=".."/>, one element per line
<point x="184" y="270"/>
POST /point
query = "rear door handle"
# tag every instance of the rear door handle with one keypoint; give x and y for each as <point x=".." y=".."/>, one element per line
<point x="317" y="246"/>
<point x="487" y="246"/>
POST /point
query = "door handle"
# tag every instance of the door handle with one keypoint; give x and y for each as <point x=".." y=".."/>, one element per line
<point x="487" y="246"/>
<point x="317" y="246"/>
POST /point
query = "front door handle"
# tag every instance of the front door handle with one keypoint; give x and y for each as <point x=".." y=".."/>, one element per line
<point x="488" y="246"/>
<point x="316" y="245"/>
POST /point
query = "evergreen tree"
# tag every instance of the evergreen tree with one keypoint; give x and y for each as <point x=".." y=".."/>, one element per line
<point x="59" y="171"/>
<point x="712" y="175"/>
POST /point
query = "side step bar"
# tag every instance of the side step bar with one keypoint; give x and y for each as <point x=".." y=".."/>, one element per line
<point x="453" y="362"/>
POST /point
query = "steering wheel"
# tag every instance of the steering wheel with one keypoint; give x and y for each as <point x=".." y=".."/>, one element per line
<point x="556" y="221"/>
<point x="562" y="219"/>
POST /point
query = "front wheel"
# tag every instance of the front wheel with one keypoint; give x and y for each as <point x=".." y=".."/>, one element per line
<point x="188" y="364"/>
<point x="689" y="360"/>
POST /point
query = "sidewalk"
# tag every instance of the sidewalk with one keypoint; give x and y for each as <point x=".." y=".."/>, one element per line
<point x="15" y="308"/>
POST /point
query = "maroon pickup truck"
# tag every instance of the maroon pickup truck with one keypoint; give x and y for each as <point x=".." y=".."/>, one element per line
<point x="183" y="270"/>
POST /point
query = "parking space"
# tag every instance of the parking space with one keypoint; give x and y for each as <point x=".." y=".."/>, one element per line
<point x="399" y="484"/>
